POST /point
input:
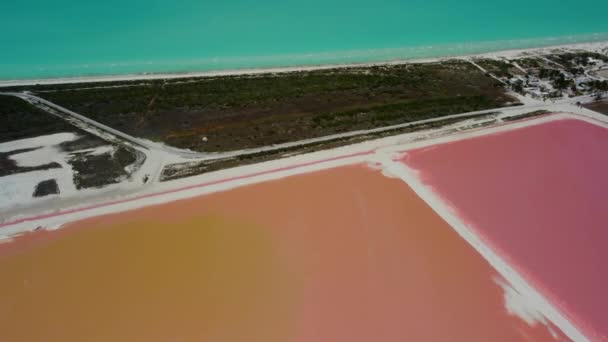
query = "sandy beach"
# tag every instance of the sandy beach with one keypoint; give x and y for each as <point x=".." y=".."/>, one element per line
<point x="514" y="53"/>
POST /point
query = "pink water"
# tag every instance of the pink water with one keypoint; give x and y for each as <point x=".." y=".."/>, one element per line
<point x="287" y="260"/>
<point x="538" y="196"/>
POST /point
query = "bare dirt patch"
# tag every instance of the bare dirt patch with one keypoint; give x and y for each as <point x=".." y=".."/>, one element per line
<point x="598" y="106"/>
<point x="602" y="73"/>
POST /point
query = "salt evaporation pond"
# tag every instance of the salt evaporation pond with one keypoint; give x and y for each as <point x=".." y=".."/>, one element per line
<point x="345" y="254"/>
<point x="537" y="195"/>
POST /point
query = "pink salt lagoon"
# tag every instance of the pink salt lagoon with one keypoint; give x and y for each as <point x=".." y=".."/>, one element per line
<point x="537" y="196"/>
<point x="345" y="254"/>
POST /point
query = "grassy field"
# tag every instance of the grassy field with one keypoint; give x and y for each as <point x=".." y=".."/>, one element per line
<point x="236" y="112"/>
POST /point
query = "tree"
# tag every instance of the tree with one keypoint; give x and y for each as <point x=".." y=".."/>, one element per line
<point x="518" y="86"/>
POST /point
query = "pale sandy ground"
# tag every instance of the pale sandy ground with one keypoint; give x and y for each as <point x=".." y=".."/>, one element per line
<point x="595" y="46"/>
<point x="18" y="188"/>
<point x="603" y="73"/>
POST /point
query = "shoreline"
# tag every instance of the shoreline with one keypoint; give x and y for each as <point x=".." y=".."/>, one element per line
<point x="509" y="53"/>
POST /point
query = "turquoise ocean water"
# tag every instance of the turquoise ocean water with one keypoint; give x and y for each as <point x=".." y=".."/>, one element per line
<point x="45" y="39"/>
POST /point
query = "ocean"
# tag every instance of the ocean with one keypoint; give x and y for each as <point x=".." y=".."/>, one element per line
<point x="65" y="38"/>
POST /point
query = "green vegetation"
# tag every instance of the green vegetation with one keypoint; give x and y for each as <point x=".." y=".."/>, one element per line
<point x="525" y="116"/>
<point x="499" y="68"/>
<point x="599" y="85"/>
<point x="236" y="112"/>
<point x="530" y="63"/>
<point x="180" y="170"/>
<point x="566" y="71"/>
<point x="571" y="60"/>
<point x="20" y="120"/>
<point x="45" y="188"/>
<point x="93" y="171"/>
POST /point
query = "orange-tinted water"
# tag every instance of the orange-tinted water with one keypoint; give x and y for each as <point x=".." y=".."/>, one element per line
<point x="339" y="255"/>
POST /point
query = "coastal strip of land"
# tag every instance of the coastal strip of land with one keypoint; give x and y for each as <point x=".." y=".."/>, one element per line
<point x="162" y="131"/>
<point x="590" y="46"/>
